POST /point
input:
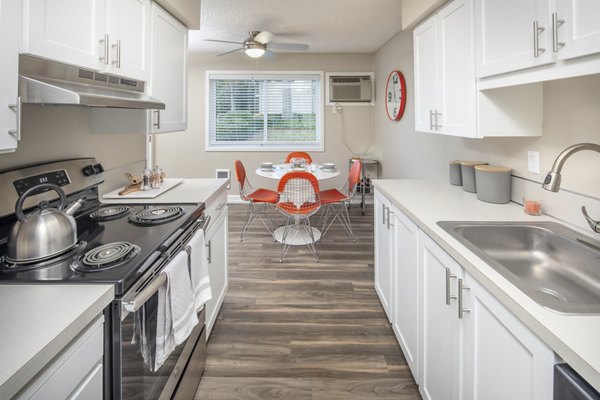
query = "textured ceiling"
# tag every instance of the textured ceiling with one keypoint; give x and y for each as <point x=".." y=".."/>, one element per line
<point x="327" y="26"/>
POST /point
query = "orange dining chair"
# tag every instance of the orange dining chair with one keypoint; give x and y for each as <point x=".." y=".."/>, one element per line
<point x="298" y="154"/>
<point x="337" y="201"/>
<point x="298" y="201"/>
<point x="253" y="197"/>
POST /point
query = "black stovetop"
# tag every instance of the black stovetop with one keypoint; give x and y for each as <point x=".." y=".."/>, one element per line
<point x="150" y="239"/>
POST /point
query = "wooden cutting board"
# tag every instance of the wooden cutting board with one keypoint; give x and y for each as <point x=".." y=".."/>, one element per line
<point x="168" y="184"/>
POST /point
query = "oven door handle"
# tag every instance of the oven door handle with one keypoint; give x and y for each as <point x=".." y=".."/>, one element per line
<point x="142" y="297"/>
<point x="206" y="223"/>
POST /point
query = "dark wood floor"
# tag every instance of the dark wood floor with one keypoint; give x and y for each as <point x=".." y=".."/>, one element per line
<point x="301" y="329"/>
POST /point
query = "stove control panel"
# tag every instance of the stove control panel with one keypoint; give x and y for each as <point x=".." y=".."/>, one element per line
<point x="92" y="169"/>
<point x="59" y="178"/>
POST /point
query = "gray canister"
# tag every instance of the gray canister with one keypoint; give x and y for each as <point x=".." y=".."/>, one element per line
<point x="455" y="173"/>
<point x="468" y="175"/>
<point x="493" y="183"/>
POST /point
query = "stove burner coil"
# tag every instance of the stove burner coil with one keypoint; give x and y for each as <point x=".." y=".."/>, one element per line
<point x="109" y="213"/>
<point x="108" y="256"/>
<point x="7" y="264"/>
<point x="156" y="215"/>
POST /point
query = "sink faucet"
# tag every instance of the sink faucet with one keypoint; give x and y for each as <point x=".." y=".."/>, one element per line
<point x="552" y="181"/>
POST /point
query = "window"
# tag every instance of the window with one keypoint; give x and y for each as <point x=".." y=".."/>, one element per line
<point x="271" y="111"/>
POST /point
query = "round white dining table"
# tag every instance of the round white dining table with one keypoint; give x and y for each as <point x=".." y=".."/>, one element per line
<point x="297" y="237"/>
<point x="279" y="171"/>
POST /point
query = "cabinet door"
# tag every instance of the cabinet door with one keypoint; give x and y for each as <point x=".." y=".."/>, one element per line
<point x="503" y="358"/>
<point x="426" y="74"/>
<point x="10" y="11"/>
<point x="505" y="35"/>
<point x="216" y="240"/>
<point x="440" y="372"/>
<point x="580" y="31"/>
<point x="456" y="114"/>
<point x="169" y="70"/>
<point x="129" y="37"/>
<point x="383" y="269"/>
<point x="66" y="30"/>
<point x="406" y="288"/>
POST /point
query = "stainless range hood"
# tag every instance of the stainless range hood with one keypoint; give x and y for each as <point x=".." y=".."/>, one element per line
<point x="49" y="82"/>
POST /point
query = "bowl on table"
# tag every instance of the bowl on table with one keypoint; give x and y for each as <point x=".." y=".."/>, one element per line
<point x="266" y="166"/>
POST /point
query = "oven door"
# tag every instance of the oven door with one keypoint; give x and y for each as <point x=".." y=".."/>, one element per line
<point x="133" y="375"/>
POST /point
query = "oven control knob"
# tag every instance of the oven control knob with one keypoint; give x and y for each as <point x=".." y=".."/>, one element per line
<point x="88" y="170"/>
<point x="98" y="168"/>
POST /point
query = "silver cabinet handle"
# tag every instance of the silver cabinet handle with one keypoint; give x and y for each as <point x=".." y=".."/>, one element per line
<point x="437" y="121"/>
<point x="104" y="41"/>
<point x="117" y="47"/>
<point x="383" y="213"/>
<point x="556" y="23"/>
<point x="431" y="119"/>
<point x="209" y="250"/>
<point x="537" y="50"/>
<point x="461" y="309"/>
<point x="157" y="123"/>
<point x="449" y="276"/>
<point x="17" y="109"/>
<point x="388" y="218"/>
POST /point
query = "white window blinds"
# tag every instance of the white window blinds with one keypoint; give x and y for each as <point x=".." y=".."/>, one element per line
<point x="269" y="110"/>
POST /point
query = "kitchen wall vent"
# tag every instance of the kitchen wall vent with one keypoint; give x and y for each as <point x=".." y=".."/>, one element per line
<point x="349" y="88"/>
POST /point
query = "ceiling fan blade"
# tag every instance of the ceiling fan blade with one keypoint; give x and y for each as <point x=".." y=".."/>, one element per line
<point x="221" y="41"/>
<point x="288" y="46"/>
<point x="229" y="52"/>
<point x="264" y="37"/>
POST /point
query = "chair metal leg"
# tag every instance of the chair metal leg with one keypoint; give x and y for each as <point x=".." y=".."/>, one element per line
<point x="246" y="221"/>
<point x="311" y="245"/>
<point x="285" y="247"/>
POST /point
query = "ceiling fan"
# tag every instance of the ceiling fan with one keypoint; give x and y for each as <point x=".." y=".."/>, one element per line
<point x="259" y="43"/>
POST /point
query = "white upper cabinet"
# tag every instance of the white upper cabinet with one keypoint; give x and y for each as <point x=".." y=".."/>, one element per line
<point x="106" y="35"/>
<point x="511" y="35"/>
<point x="527" y="39"/>
<point x="426" y="74"/>
<point x="576" y="28"/>
<point x="169" y="71"/>
<point x="67" y="30"/>
<point x="129" y="37"/>
<point x="444" y="72"/>
<point x="10" y="108"/>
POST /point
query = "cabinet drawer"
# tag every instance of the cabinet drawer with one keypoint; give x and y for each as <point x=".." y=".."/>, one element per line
<point x="73" y="369"/>
<point x="216" y="205"/>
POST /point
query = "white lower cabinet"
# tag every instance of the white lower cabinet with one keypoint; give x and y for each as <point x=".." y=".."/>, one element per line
<point x="440" y="376"/>
<point x="383" y="253"/>
<point x="406" y="289"/>
<point x="76" y="373"/>
<point x="503" y="359"/>
<point x="459" y="341"/>
<point x="216" y="242"/>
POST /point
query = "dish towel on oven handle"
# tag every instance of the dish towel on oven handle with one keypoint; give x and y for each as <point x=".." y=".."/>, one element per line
<point x="199" y="270"/>
<point x="176" y="311"/>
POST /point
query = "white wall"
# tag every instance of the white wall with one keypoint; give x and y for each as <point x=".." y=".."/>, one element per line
<point x="571" y="115"/>
<point x="183" y="153"/>
<point x="51" y="133"/>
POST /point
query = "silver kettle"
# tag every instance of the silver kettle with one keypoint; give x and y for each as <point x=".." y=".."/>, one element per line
<point x="44" y="233"/>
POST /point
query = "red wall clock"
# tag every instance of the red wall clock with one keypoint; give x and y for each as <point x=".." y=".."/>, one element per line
<point x="395" y="93"/>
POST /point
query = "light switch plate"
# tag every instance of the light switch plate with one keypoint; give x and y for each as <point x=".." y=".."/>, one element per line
<point x="533" y="162"/>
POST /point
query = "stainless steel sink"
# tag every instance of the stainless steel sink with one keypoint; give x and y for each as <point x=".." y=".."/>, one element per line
<point x="554" y="265"/>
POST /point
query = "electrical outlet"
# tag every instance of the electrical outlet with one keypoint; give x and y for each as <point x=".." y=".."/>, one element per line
<point x="533" y="162"/>
<point x="336" y="108"/>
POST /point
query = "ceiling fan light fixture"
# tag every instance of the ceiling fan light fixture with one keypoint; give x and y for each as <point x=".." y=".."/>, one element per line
<point x="254" y="50"/>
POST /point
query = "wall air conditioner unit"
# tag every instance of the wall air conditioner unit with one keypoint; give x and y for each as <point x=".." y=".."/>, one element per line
<point x="350" y="88"/>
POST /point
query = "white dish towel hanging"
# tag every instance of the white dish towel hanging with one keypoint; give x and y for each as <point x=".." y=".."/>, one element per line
<point x="176" y="311"/>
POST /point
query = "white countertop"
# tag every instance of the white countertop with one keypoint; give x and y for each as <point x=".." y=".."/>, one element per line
<point x="38" y="321"/>
<point x="576" y="339"/>
<point x="189" y="191"/>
